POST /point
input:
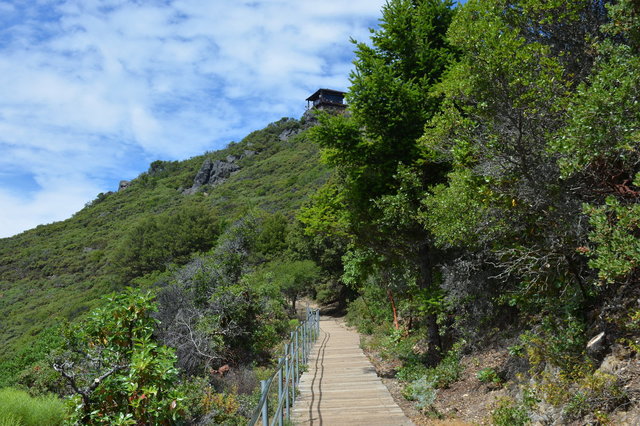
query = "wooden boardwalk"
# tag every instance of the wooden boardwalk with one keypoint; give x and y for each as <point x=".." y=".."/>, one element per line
<point x="341" y="386"/>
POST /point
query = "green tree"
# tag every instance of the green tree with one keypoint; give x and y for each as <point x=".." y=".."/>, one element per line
<point x="293" y="278"/>
<point x="272" y="238"/>
<point x="504" y="100"/>
<point x="382" y="175"/>
<point x="540" y="115"/>
<point x="156" y="241"/>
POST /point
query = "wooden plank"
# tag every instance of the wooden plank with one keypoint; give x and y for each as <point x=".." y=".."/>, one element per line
<point x="341" y="386"/>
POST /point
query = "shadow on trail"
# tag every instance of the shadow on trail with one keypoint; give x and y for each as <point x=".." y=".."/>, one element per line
<point x="318" y="375"/>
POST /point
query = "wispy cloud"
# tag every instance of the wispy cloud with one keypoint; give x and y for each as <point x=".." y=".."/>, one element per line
<point x="95" y="89"/>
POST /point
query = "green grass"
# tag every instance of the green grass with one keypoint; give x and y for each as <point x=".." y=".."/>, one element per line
<point x="18" y="408"/>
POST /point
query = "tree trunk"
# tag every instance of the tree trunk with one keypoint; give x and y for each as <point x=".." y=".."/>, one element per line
<point x="425" y="281"/>
<point x="393" y="307"/>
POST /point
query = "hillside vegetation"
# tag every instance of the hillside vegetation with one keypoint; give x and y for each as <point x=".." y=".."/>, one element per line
<point x="475" y="212"/>
<point x="59" y="271"/>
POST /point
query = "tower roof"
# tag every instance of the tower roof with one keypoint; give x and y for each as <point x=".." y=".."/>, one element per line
<point x="321" y="92"/>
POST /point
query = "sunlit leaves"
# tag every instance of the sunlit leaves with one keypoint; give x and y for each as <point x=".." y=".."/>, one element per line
<point x="616" y="250"/>
<point x="119" y="372"/>
<point x="604" y="115"/>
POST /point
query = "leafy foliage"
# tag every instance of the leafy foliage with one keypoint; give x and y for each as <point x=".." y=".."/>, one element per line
<point x="157" y="241"/>
<point x="211" y="320"/>
<point x="293" y="278"/>
<point x="422" y="385"/>
<point x="117" y="372"/>
<point x="617" y="248"/>
<point x="508" y="412"/>
<point x="381" y="177"/>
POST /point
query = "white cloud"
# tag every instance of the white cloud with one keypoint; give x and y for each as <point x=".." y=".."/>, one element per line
<point x="57" y="201"/>
<point x="98" y="87"/>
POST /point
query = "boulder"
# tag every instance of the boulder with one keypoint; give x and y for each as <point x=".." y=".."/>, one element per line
<point x="124" y="184"/>
<point x="213" y="173"/>
<point x="202" y="177"/>
<point x="220" y="171"/>
<point x="287" y="133"/>
<point x="597" y="345"/>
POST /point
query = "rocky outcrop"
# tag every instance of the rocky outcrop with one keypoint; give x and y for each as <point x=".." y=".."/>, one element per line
<point x="213" y="173"/>
<point x="124" y="184"/>
<point x="287" y="133"/>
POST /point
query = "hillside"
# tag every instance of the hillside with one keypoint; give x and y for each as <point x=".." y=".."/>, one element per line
<point x="58" y="271"/>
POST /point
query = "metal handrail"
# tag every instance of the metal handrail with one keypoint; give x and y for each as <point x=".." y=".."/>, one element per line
<point x="287" y="373"/>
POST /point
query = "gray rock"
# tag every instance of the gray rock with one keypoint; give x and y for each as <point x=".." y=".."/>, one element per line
<point x="231" y="158"/>
<point x="220" y="171"/>
<point x="286" y="134"/>
<point x="202" y="177"/>
<point x="124" y="184"/>
<point x="212" y="173"/>
<point x="597" y="345"/>
<point x="248" y="153"/>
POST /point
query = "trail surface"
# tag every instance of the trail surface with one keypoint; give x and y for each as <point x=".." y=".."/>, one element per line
<point x="341" y="386"/>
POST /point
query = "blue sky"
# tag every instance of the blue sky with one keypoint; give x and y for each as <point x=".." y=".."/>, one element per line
<point x="94" y="90"/>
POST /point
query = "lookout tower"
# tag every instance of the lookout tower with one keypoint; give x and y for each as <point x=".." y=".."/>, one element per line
<point x="327" y="99"/>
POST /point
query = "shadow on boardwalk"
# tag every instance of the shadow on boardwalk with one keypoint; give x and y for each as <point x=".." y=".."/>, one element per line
<point x="341" y="386"/>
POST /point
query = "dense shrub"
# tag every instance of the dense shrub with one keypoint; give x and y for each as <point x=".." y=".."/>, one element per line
<point x="508" y="413"/>
<point x="212" y="318"/>
<point x="155" y="241"/>
<point x="422" y="382"/>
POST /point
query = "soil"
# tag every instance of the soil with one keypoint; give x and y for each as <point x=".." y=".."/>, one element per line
<point x="469" y="401"/>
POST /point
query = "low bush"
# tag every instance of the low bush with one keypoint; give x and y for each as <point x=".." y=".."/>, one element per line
<point x="411" y="372"/>
<point x="421" y="391"/>
<point x="423" y="381"/>
<point x="488" y="375"/>
<point x="509" y="413"/>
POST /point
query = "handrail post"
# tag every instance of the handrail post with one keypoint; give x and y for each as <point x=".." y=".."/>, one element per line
<point x="287" y="377"/>
<point x="292" y="351"/>
<point x="280" y="391"/>
<point x="309" y="340"/>
<point x="297" y="358"/>
<point x="304" y="343"/>
<point x="265" y="408"/>
<point x="310" y="327"/>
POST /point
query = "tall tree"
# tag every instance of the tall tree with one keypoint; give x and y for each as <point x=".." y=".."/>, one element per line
<point x="374" y="148"/>
<point x="537" y="95"/>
